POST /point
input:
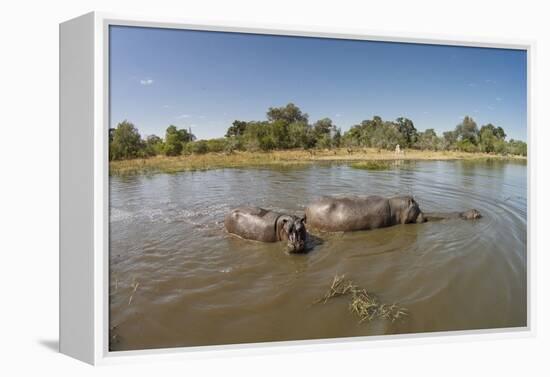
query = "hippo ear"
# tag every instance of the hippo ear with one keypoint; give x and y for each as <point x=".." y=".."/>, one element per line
<point x="303" y="220"/>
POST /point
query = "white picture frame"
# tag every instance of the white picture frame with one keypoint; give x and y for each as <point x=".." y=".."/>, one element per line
<point x="84" y="177"/>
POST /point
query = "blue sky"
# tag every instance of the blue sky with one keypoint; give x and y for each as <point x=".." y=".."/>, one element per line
<point x="206" y="80"/>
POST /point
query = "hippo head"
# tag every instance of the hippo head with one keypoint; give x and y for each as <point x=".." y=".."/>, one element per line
<point x="411" y="212"/>
<point x="293" y="230"/>
<point x="471" y="214"/>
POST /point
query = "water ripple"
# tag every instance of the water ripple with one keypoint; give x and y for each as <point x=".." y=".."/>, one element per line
<point x="177" y="278"/>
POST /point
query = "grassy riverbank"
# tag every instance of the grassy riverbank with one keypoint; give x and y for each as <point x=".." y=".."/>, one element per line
<point x="163" y="164"/>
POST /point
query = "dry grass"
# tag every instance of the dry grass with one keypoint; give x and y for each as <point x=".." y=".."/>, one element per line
<point x="363" y="304"/>
<point x="163" y="164"/>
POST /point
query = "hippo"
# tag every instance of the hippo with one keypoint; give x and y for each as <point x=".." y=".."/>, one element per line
<point x="339" y="214"/>
<point x="471" y="214"/>
<point x="254" y="223"/>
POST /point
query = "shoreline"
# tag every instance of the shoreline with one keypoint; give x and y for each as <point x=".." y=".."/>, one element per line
<point x="209" y="161"/>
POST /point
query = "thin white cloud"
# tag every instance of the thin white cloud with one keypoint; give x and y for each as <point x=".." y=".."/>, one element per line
<point x="489" y="81"/>
<point x="165" y="106"/>
<point x="498" y="99"/>
<point x="472" y="84"/>
<point x="146" y="81"/>
<point x="490" y="107"/>
<point x="182" y="116"/>
<point x="338" y="115"/>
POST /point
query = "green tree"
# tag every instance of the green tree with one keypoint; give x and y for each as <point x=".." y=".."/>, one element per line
<point x="279" y="134"/>
<point x="288" y="114"/>
<point x="489" y="136"/>
<point x="428" y="140"/>
<point x="287" y="127"/>
<point x="197" y="147"/>
<point x="386" y="136"/>
<point x="175" y="139"/>
<point x="323" y="132"/>
<point x="467" y="130"/>
<point x="337" y="137"/>
<point x="300" y="135"/>
<point x="466" y="145"/>
<point x="323" y="127"/>
<point x="517" y="147"/>
<point x="126" y="142"/>
<point x="499" y="133"/>
<point x="217" y="145"/>
<point x="449" y="140"/>
<point x="111" y="134"/>
<point x="368" y="133"/>
<point x="407" y="129"/>
<point x="487" y="140"/>
<point x="237" y="129"/>
<point x="254" y="134"/>
<point x="153" y="145"/>
<point x="355" y="136"/>
<point x="500" y="146"/>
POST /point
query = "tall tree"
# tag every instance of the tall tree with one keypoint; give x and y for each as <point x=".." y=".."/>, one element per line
<point x="237" y="129"/>
<point x="175" y="139"/>
<point x="126" y="142"/>
<point x="300" y="135"/>
<point x="323" y="127"/>
<point x="153" y="145"/>
<point x="279" y="134"/>
<point x="467" y="131"/>
<point x="407" y="129"/>
<point x="428" y="140"/>
<point x="498" y="132"/>
<point x="288" y="114"/>
<point x="449" y="140"/>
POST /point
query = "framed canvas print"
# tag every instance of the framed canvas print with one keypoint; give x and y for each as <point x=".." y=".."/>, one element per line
<point x="229" y="188"/>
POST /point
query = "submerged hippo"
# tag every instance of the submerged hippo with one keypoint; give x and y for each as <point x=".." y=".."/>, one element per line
<point x="471" y="214"/>
<point x="254" y="223"/>
<point x="332" y="214"/>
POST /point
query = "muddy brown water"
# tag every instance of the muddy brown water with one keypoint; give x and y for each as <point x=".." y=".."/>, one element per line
<point x="177" y="279"/>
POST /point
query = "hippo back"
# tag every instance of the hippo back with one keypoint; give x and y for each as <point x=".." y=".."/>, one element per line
<point x="333" y="214"/>
<point x="253" y="223"/>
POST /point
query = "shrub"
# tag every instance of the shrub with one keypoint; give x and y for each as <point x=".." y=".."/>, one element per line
<point x="197" y="147"/>
<point x="466" y="146"/>
<point x="216" y="145"/>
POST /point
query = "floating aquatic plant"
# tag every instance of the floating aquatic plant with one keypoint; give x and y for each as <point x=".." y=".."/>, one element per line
<point x="363" y="304"/>
<point x="371" y="165"/>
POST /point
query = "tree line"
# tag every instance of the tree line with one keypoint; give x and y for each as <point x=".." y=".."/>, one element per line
<point x="287" y="127"/>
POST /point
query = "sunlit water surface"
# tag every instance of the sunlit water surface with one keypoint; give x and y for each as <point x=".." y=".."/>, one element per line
<point x="178" y="279"/>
